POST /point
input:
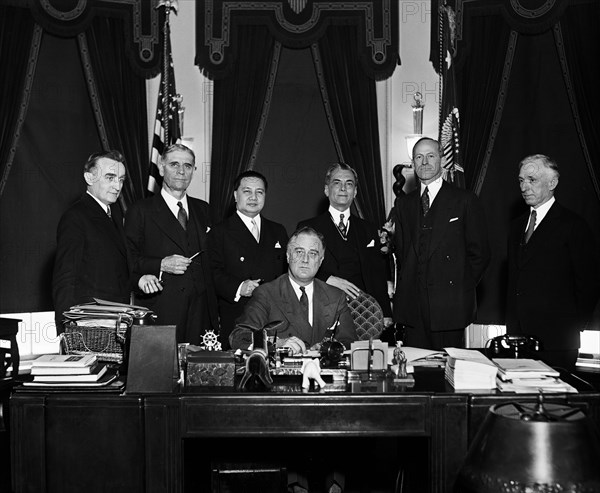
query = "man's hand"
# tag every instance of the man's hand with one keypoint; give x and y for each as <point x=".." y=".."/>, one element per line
<point x="295" y="344"/>
<point x="248" y="286"/>
<point x="149" y="284"/>
<point x="175" y="264"/>
<point x="387" y="321"/>
<point x="346" y="286"/>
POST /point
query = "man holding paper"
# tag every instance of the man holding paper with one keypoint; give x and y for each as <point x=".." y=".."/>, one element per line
<point x="167" y="236"/>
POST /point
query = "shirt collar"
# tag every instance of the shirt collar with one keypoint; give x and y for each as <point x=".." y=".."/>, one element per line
<point x="542" y="210"/>
<point x="308" y="289"/>
<point x="433" y="188"/>
<point x="335" y="214"/>
<point x="172" y="202"/>
<point x="104" y="206"/>
<point x="248" y="220"/>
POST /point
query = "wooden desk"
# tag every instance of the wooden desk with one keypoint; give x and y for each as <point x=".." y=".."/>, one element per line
<point x="82" y="442"/>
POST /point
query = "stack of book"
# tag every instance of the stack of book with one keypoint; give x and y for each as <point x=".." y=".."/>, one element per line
<point x="64" y="370"/>
<point x="470" y="369"/>
<point x="524" y="375"/>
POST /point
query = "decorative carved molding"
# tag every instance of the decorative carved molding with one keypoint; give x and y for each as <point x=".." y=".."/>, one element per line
<point x="298" y="24"/>
<point x="72" y="18"/>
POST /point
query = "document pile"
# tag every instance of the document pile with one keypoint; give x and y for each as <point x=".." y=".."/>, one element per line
<point x="528" y="375"/>
<point x="101" y="327"/>
<point x="69" y="371"/>
<point x="470" y="369"/>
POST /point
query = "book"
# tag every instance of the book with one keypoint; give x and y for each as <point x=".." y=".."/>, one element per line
<point x="534" y="385"/>
<point x="470" y="369"/>
<point x="65" y="360"/>
<point x="64" y="370"/>
<point x="94" y="376"/>
<point x="106" y="379"/>
<point x="511" y="368"/>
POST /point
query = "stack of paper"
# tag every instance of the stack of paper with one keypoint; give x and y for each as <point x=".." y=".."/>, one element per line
<point x="528" y="375"/>
<point x="470" y="369"/>
<point x="68" y="370"/>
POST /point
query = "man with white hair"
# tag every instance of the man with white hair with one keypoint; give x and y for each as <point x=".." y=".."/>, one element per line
<point x="553" y="277"/>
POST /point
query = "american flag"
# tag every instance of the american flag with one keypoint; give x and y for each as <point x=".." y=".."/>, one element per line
<point x="449" y="137"/>
<point x="164" y="137"/>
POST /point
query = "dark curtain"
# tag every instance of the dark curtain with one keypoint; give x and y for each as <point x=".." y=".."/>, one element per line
<point x="579" y="26"/>
<point x="238" y="103"/>
<point x="16" y="32"/>
<point x="478" y="81"/>
<point x="352" y="98"/>
<point x="122" y="101"/>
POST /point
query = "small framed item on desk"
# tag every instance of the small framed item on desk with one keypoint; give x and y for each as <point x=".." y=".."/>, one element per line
<point x="368" y="355"/>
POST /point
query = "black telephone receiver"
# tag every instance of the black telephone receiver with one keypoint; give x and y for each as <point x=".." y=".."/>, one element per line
<point x="511" y="346"/>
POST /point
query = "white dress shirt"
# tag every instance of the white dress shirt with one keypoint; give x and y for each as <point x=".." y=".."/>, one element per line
<point x="309" y="290"/>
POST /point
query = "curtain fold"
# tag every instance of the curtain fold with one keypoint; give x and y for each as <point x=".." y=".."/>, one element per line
<point x="118" y="96"/>
<point x="351" y="104"/>
<point x="16" y="35"/>
<point x="238" y="109"/>
<point x="579" y="27"/>
<point x="478" y="84"/>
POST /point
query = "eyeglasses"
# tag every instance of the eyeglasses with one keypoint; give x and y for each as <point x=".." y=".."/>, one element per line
<point x="187" y="167"/>
<point x="301" y="254"/>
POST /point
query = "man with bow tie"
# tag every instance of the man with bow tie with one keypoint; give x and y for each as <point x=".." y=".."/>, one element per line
<point x="246" y="249"/>
<point x="353" y="262"/>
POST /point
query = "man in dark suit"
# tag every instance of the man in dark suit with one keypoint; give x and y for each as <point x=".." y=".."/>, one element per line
<point x="442" y="251"/>
<point x="353" y="262"/>
<point x="553" y="276"/>
<point x="167" y="236"/>
<point x="91" y="255"/>
<point x="245" y="250"/>
<point x="307" y="306"/>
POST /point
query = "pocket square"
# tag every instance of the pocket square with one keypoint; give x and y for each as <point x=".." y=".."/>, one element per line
<point x="453" y="219"/>
<point x="207" y="229"/>
<point x="371" y="244"/>
<point x="277" y="245"/>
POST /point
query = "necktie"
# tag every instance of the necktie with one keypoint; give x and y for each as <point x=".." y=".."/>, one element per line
<point x="108" y="212"/>
<point x="304" y="302"/>
<point x="255" y="231"/>
<point x="342" y="226"/>
<point x="182" y="216"/>
<point x="531" y="226"/>
<point x="425" y="201"/>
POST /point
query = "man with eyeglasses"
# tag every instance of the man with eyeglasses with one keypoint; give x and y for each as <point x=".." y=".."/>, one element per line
<point x="307" y="306"/>
<point x="167" y="235"/>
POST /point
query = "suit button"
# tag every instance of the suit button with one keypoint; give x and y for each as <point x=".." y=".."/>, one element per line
<point x="451" y="282"/>
<point x="447" y="257"/>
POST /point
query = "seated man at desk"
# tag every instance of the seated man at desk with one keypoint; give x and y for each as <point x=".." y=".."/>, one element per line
<point x="307" y="306"/>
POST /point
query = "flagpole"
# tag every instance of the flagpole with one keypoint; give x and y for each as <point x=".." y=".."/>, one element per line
<point x="165" y="74"/>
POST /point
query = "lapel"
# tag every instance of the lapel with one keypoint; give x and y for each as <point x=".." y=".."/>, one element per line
<point x="166" y="221"/>
<point x="290" y="306"/>
<point x="326" y="227"/>
<point x="444" y="208"/>
<point x="413" y="218"/>
<point x="200" y="222"/>
<point x="241" y="234"/>
<point x="110" y="229"/>
<point x="542" y="235"/>
<point x="323" y="313"/>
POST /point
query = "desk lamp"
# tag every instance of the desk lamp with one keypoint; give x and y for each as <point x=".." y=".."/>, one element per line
<point x="532" y="447"/>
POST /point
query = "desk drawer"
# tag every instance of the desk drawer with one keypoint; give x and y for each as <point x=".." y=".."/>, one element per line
<point x="305" y="415"/>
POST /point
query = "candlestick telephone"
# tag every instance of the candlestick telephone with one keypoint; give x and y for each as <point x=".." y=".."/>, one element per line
<point x="513" y="346"/>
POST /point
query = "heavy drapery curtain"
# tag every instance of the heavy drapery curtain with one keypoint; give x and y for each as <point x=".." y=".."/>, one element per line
<point x="238" y="104"/>
<point x="16" y="33"/>
<point x="120" y="106"/>
<point x="350" y="97"/>
<point x="579" y="26"/>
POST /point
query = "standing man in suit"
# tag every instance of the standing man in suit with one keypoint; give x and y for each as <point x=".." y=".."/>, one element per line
<point x="353" y="262"/>
<point x="553" y="276"/>
<point x="442" y="250"/>
<point x="245" y="250"/>
<point x="92" y="260"/>
<point x="307" y="306"/>
<point x="167" y="235"/>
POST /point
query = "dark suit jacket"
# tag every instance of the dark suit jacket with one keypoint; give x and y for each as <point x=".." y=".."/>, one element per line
<point x="553" y="281"/>
<point x="236" y="256"/>
<point x="456" y="259"/>
<point x="91" y="257"/>
<point x="154" y="233"/>
<point x="372" y="262"/>
<point x="277" y="301"/>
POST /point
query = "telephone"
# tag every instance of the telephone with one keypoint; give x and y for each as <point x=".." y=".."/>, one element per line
<point x="512" y="346"/>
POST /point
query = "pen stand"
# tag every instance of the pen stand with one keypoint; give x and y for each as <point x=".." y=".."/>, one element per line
<point x="368" y="355"/>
